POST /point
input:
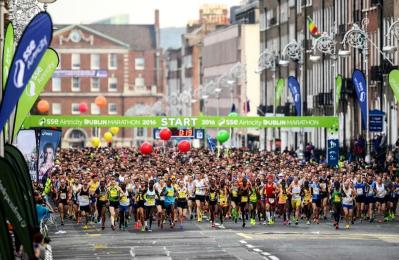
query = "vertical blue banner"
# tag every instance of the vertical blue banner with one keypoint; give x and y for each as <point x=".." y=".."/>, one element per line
<point x="212" y="143"/>
<point x="33" y="44"/>
<point x="295" y="89"/>
<point x="359" y="81"/>
<point x="48" y="144"/>
<point x="333" y="152"/>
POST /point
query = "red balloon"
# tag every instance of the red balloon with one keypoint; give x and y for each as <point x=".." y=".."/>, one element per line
<point x="146" y="148"/>
<point x="83" y="107"/>
<point x="165" y="134"/>
<point x="184" y="146"/>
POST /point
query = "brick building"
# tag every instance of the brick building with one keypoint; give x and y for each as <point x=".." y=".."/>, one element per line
<point x="121" y="62"/>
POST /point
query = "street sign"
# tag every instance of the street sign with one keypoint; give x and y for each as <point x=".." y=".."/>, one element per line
<point x="376" y="120"/>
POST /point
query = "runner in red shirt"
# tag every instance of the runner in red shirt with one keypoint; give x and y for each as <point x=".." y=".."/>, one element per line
<point x="270" y="194"/>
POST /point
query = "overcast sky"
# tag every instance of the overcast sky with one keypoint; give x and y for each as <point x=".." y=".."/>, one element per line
<point x="172" y="12"/>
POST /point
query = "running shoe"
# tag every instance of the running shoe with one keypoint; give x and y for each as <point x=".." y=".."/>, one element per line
<point x="142" y="229"/>
<point x="308" y="222"/>
<point x="85" y="227"/>
<point x="222" y="226"/>
<point x="346" y="226"/>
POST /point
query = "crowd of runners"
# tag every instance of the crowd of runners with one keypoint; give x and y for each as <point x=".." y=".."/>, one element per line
<point x="247" y="188"/>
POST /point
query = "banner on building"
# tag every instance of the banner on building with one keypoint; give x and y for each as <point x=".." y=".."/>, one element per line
<point x="333" y="147"/>
<point x="48" y="143"/>
<point x="8" y="52"/>
<point x="80" y="74"/>
<point x="278" y="92"/>
<point x="338" y="89"/>
<point x="180" y="122"/>
<point x="12" y="204"/>
<point x="295" y="89"/>
<point x="36" y="85"/>
<point x="30" y="50"/>
<point x="393" y="79"/>
<point x="359" y="81"/>
<point x="26" y="142"/>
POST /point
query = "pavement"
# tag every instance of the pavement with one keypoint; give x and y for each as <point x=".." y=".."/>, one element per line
<point x="201" y="241"/>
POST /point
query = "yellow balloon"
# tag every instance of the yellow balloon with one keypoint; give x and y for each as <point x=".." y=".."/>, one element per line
<point x="108" y="137"/>
<point x="114" y="130"/>
<point x="95" y="141"/>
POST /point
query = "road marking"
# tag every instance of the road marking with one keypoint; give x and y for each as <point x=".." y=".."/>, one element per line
<point x="249" y="246"/>
<point x="99" y="246"/>
<point x="243" y="241"/>
<point x="265" y="253"/>
<point x="244" y="235"/>
<point x="132" y="253"/>
<point x="257" y="250"/>
<point x="93" y="235"/>
<point x="272" y="257"/>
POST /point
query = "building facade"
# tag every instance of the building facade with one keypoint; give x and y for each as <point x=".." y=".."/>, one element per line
<point x="123" y="63"/>
<point x="283" y="21"/>
<point x="229" y="79"/>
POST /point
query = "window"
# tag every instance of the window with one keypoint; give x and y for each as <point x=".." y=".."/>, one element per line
<point x="75" y="61"/>
<point x="140" y="132"/>
<point x="95" y="131"/>
<point x="139" y="82"/>
<point x="95" y="61"/>
<point x="95" y="110"/>
<point x="56" y="107"/>
<point x="113" y="61"/>
<point x="139" y="63"/>
<point x="112" y="84"/>
<point x="75" y="109"/>
<point x="56" y="84"/>
<point x="112" y="109"/>
<point x="75" y="84"/>
<point x="95" y="84"/>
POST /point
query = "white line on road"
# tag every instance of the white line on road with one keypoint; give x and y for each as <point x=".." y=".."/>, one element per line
<point x="257" y="250"/>
<point x="272" y="257"/>
<point x="265" y="253"/>
<point x="243" y="242"/>
<point x="132" y="253"/>
<point x="249" y="246"/>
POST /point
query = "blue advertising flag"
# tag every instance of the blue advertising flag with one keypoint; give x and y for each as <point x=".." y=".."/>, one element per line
<point x="359" y="81"/>
<point x="33" y="44"/>
<point x="295" y="89"/>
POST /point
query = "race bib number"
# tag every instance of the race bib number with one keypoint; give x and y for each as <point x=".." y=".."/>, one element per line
<point x="316" y="191"/>
<point x="113" y="193"/>
<point x="271" y="201"/>
<point x="359" y="191"/>
<point x="63" y="196"/>
<point x="337" y="198"/>
<point x="244" y="199"/>
<point x="124" y="199"/>
<point x="170" y="193"/>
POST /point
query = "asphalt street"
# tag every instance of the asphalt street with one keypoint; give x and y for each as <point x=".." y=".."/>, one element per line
<point x="200" y="241"/>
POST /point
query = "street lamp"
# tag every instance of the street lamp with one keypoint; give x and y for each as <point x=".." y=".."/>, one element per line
<point x="295" y="52"/>
<point x="267" y="61"/>
<point x="393" y="30"/>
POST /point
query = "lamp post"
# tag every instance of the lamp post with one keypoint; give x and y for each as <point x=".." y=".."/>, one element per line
<point x="267" y="61"/>
<point x="295" y="52"/>
<point x="357" y="38"/>
<point x="393" y="30"/>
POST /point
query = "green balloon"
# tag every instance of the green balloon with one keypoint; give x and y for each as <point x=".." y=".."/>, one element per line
<point x="222" y="136"/>
<point x="233" y="114"/>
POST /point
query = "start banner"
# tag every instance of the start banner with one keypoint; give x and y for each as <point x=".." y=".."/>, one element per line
<point x="182" y="122"/>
